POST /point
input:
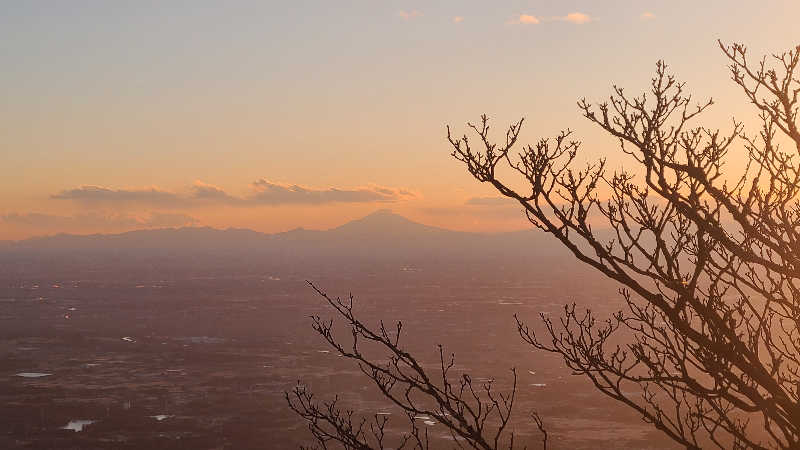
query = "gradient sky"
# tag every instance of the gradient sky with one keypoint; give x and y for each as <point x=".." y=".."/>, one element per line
<point x="273" y="115"/>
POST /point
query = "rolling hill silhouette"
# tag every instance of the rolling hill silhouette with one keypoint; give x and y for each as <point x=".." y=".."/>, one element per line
<point x="381" y="227"/>
<point x="382" y="236"/>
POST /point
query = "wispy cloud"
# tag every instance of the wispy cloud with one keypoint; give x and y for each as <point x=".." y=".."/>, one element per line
<point x="524" y="19"/>
<point x="267" y="192"/>
<point x="577" y="18"/>
<point x="647" y="15"/>
<point x="209" y="192"/>
<point x="407" y="15"/>
<point x="161" y="219"/>
<point x="96" y="221"/>
<point x="99" y="194"/>
<point x="479" y="208"/>
<point x="458" y="19"/>
<point x="490" y="201"/>
<point x="261" y="192"/>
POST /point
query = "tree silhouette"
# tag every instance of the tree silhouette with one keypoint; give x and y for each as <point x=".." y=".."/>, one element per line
<point x="475" y="415"/>
<point x="708" y="263"/>
<point x="709" y="266"/>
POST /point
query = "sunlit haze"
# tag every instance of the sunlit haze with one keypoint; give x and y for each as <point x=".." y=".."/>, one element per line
<point x="319" y="224"/>
<point x="276" y="115"/>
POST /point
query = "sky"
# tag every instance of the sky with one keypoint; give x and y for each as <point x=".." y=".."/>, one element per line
<point x="276" y="115"/>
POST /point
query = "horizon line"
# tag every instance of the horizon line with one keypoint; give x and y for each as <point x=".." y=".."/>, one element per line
<point x="299" y="228"/>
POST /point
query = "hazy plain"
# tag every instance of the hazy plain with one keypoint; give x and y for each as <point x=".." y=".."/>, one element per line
<point x="176" y="350"/>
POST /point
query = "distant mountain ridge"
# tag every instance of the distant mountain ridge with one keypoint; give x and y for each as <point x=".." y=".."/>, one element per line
<point x="388" y="221"/>
<point x="382" y="235"/>
<point x="379" y="238"/>
<point x="380" y="224"/>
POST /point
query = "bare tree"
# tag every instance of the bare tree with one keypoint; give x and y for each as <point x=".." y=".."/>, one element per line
<point x="475" y="415"/>
<point x="709" y="264"/>
<point x="708" y="346"/>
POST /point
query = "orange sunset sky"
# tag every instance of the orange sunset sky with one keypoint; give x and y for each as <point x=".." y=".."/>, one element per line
<point x="274" y="115"/>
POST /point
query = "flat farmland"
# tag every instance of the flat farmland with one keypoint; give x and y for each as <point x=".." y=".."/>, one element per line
<point x="203" y="362"/>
